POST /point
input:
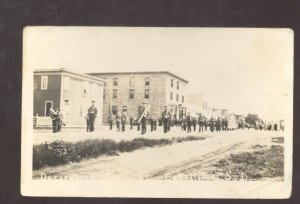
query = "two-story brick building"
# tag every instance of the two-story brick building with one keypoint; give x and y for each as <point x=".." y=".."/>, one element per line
<point x="128" y="91"/>
<point x="69" y="91"/>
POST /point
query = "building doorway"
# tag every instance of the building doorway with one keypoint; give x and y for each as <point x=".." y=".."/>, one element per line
<point x="48" y="106"/>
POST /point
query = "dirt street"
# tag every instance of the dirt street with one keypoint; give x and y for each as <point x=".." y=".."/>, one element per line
<point x="166" y="161"/>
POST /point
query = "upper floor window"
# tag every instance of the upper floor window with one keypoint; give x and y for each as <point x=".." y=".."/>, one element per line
<point x="147" y="93"/>
<point x="177" y="84"/>
<point x="131" y="81"/>
<point x="147" y="80"/>
<point x="115" y="81"/>
<point x="115" y="93"/>
<point x="131" y="93"/>
<point x="44" y="83"/>
<point x="103" y="93"/>
<point x="171" y="95"/>
<point x="67" y="83"/>
<point x="182" y="99"/>
<point x="171" y="82"/>
<point x="177" y="97"/>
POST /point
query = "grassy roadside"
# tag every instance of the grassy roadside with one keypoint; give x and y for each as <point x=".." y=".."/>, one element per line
<point x="60" y="152"/>
<point x="264" y="162"/>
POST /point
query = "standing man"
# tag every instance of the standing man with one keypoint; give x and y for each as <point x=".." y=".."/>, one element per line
<point x="54" y="114"/>
<point x="118" y="121"/>
<point x="154" y="122"/>
<point x="194" y="123"/>
<point x="165" y="119"/>
<point x="201" y="123"/>
<point x="92" y="113"/>
<point x="169" y="121"/>
<point x="123" y="121"/>
<point x="151" y="122"/>
<point x="212" y="124"/>
<point x="131" y="122"/>
<point x="189" y="123"/>
<point x="143" y="122"/>
<point x="110" y="121"/>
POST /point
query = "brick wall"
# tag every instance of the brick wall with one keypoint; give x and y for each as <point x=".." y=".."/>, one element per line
<point x="159" y="92"/>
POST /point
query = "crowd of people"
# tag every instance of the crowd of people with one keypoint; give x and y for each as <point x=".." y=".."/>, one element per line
<point x="186" y="123"/>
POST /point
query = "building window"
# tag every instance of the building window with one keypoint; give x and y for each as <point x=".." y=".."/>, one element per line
<point x="146" y="93"/>
<point x="124" y="108"/>
<point x="171" y="95"/>
<point x="114" y="109"/>
<point x="171" y="82"/>
<point x="131" y="81"/>
<point x="182" y="99"/>
<point x="140" y="110"/>
<point x="115" y="81"/>
<point x="131" y="93"/>
<point x="67" y="83"/>
<point x="48" y="106"/>
<point x="115" y="93"/>
<point x="178" y="85"/>
<point x="177" y="97"/>
<point x="44" y="83"/>
<point x="147" y="81"/>
<point x="103" y="93"/>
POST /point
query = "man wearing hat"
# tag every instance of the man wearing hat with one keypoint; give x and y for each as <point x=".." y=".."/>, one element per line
<point x="92" y="114"/>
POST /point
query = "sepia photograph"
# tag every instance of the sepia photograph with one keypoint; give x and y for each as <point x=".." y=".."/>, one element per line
<point x="157" y="112"/>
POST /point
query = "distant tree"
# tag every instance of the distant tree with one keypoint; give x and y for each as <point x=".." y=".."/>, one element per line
<point x="251" y="119"/>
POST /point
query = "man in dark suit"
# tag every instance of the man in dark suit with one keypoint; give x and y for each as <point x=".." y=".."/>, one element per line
<point x="118" y="121"/>
<point x="143" y="123"/>
<point x="54" y="114"/>
<point x="123" y="121"/>
<point x="92" y="114"/>
<point x="110" y="121"/>
<point x="165" y="119"/>
<point x="189" y="122"/>
<point x="131" y="121"/>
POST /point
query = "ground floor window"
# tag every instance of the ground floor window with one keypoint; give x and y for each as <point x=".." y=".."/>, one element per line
<point x="114" y="109"/>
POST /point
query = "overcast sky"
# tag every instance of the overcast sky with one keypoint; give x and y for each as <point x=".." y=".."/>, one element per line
<point x="243" y="70"/>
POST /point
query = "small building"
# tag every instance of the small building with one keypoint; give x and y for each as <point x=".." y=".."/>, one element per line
<point x="70" y="92"/>
<point x="197" y="104"/>
<point x="128" y="91"/>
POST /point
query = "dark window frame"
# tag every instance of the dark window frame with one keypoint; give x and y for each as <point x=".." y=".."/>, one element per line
<point x="147" y="93"/>
<point x="115" y="93"/>
<point x="131" y="93"/>
<point x="147" y="81"/>
<point x="116" y="81"/>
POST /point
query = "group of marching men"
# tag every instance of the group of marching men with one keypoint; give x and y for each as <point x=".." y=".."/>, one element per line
<point x="167" y="120"/>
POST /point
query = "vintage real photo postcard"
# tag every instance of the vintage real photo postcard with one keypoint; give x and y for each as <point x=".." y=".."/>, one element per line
<point x="157" y="112"/>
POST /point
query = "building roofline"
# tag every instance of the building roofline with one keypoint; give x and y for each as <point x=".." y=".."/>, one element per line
<point x="61" y="70"/>
<point x="140" y="72"/>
